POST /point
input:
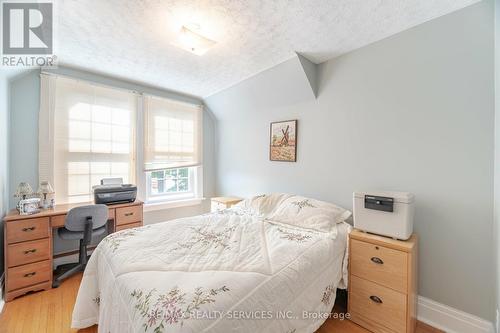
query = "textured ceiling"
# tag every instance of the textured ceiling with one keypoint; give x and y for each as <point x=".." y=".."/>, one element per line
<point x="132" y="39"/>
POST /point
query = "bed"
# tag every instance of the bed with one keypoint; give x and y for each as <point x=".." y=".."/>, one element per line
<point x="250" y="268"/>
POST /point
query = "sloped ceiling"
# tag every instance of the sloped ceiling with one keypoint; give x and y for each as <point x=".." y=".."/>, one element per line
<point x="133" y="39"/>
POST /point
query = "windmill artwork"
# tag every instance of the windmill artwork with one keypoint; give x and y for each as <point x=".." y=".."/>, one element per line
<point x="283" y="141"/>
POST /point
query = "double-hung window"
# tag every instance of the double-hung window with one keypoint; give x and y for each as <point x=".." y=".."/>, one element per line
<point x="88" y="135"/>
<point x="172" y="149"/>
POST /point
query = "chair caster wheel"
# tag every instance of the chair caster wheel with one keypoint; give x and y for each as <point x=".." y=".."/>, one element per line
<point x="56" y="284"/>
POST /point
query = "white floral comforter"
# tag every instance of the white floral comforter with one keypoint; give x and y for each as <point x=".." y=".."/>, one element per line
<point x="220" y="272"/>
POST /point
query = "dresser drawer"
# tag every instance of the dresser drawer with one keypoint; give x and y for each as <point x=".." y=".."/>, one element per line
<point x="128" y="226"/>
<point x="379" y="307"/>
<point x="379" y="264"/>
<point x="28" y="229"/>
<point x="128" y="215"/>
<point x="28" y="252"/>
<point x="27" y="275"/>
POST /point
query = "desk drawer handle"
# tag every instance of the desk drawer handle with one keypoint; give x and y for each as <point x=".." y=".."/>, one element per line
<point x="129" y="214"/>
<point x="30" y="274"/>
<point x="30" y="251"/>
<point x="29" y="229"/>
<point x="377" y="260"/>
<point x="376" y="299"/>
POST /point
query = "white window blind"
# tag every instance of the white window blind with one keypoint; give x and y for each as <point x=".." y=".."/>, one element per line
<point x="172" y="134"/>
<point x="93" y="136"/>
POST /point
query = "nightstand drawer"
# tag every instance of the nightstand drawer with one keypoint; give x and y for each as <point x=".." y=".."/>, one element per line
<point x="28" y="275"/>
<point x="379" y="264"/>
<point x="28" y="229"/>
<point x="128" y="215"/>
<point x="28" y="252"/>
<point x="377" y="306"/>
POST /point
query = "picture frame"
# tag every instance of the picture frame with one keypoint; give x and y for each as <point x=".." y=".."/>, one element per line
<point x="283" y="141"/>
<point x="29" y="206"/>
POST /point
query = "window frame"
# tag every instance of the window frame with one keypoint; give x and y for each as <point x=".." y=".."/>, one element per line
<point x="169" y="201"/>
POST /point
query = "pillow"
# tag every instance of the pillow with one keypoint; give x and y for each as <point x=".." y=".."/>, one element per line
<point x="263" y="204"/>
<point x="309" y="213"/>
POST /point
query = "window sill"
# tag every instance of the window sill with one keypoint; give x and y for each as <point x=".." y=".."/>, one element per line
<point x="152" y="206"/>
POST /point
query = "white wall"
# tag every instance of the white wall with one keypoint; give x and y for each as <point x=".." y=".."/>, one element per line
<point x="413" y="112"/>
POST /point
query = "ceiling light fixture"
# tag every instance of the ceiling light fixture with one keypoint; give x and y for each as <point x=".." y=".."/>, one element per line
<point x="193" y="42"/>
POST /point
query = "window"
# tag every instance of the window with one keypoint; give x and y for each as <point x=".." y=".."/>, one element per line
<point x="93" y="137"/>
<point x="88" y="132"/>
<point x="172" y="134"/>
<point x="172" y="149"/>
<point x="169" y="184"/>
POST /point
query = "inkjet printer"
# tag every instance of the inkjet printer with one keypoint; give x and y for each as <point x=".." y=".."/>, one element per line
<point x="113" y="191"/>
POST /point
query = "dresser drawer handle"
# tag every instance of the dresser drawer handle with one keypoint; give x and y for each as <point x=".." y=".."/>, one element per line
<point x="30" y="251"/>
<point x="377" y="260"/>
<point x="30" y="274"/>
<point x="29" y="229"/>
<point x="129" y="214"/>
<point x="376" y="299"/>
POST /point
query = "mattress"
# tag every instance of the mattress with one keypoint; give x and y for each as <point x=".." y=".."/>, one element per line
<point x="230" y="271"/>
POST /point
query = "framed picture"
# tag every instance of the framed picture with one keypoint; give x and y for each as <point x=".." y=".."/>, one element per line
<point x="283" y="145"/>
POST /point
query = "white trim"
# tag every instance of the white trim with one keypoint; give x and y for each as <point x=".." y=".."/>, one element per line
<point x="449" y="319"/>
<point x="149" y="207"/>
<point x="2" y="301"/>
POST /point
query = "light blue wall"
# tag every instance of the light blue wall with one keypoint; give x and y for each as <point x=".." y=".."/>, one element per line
<point x="4" y="114"/>
<point x="497" y="156"/>
<point x="413" y="112"/>
<point x="23" y="136"/>
<point x="6" y="76"/>
<point x="23" y="162"/>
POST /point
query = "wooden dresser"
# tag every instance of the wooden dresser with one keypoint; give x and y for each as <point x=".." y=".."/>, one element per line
<point x="28" y="244"/>
<point x="382" y="282"/>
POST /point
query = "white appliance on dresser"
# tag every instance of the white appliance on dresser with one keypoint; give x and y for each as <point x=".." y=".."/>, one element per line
<point x="384" y="213"/>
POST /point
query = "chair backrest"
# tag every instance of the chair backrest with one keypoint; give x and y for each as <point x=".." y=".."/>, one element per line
<point x="76" y="218"/>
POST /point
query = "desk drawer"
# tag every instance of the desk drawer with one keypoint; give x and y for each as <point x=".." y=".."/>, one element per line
<point x="28" y="229"/>
<point x="58" y="221"/>
<point x="27" y="275"/>
<point x="128" y="215"/>
<point x="28" y="252"/>
<point x="380" y="306"/>
<point x="379" y="264"/>
<point x="128" y="226"/>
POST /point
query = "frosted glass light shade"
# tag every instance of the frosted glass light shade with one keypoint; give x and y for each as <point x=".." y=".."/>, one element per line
<point x="23" y="190"/>
<point x="45" y="188"/>
<point x="193" y="42"/>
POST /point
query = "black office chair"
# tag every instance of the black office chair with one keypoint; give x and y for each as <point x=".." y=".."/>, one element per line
<point x="81" y="223"/>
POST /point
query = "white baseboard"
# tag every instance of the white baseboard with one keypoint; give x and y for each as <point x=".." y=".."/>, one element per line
<point x="2" y="301"/>
<point x="449" y="319"/>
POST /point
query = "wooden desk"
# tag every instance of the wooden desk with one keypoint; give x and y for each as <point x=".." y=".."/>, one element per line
<point x="28" y="243"/>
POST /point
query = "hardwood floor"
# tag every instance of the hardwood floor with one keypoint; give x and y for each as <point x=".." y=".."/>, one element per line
<point x="50" y="312"/>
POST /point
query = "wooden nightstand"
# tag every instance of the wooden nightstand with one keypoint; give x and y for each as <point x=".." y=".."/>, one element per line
<point x="220" y="203"/>
<point x="382" y="282"/>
